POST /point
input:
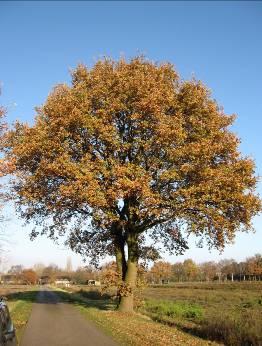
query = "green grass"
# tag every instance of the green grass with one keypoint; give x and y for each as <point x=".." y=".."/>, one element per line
<point x="20" y="315"/>
<point x="20" y="301"/>
<point x="21" y="310"/>
<point x="166" y="311"/>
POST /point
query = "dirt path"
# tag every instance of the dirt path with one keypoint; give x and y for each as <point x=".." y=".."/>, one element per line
<point x="53" y="323"/>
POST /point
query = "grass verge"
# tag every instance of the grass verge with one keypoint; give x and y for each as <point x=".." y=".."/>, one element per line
<point x="20" y="306"/>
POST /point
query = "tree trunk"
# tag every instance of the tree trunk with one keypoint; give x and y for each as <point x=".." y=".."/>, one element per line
<point x="127" y="301"/>
<point x="120" y="257"/>
<point x="121" y="261"/>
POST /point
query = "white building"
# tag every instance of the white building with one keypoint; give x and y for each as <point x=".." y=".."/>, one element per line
<point x="93" y="283"/>
<point x="62" y="282"/>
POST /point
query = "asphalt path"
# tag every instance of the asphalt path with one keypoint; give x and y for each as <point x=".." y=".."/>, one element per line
<point x="54" y="323"/>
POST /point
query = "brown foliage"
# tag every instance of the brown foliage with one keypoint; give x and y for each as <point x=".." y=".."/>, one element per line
<point x="29" y="276"/>
<point x="254" y="265"/>
<point x="161" y="271"/>
<point x="6" y="166"/>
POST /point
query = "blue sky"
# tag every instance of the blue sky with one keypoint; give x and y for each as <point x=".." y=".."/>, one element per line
<point x="217" y="42"/>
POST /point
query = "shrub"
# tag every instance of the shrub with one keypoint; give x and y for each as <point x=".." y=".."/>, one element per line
<point x="161" y="309"/>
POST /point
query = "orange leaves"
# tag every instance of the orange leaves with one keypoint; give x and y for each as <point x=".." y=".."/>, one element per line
<point x="6" y="167"/>
<point x="161" y="270"/>
<point x="29" y="276"/>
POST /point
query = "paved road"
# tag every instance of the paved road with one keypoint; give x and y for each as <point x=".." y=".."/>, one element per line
<point x="53" y="323"/>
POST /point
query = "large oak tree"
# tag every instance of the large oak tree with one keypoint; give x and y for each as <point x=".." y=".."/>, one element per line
<point x="130" y="152"/>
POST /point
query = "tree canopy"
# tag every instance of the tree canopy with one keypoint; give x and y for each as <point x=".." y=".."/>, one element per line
<point x="129" y="149"/>
<point x="2" y="128"/>
<point x="6" y="166"/>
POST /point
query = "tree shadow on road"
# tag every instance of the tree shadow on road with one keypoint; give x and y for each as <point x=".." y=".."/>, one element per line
<point x="84" y="299"/>
<point x="87" y="301"/>
<point x="25" y="295"/>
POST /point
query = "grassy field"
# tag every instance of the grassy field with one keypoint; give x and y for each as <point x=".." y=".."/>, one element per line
<point x="229" y="313"/>
<point x="19" y="299"/>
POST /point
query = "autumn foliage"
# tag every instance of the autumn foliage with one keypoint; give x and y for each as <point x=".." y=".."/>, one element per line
<point x="29" y="276"/>
<point x="161" y="271"/>
<point x="2" y="127"/>
<point x="129" y="150"/>
<point x="5" y="166"/>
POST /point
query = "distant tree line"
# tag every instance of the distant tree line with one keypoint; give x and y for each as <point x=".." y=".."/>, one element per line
<point x="17" y="274"/>
<point x="160" y="273"/>
<point x="188" y="270"/>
